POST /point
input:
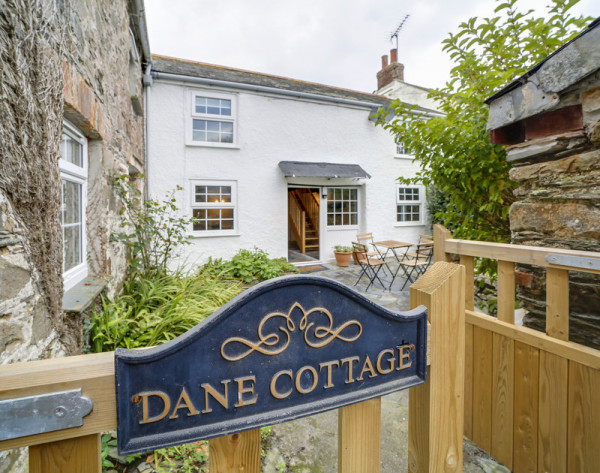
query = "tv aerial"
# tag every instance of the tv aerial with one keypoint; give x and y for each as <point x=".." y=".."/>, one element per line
<point x="394" y="34"/>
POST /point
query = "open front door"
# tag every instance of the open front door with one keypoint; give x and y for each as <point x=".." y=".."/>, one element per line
<point x="303" y="224"/>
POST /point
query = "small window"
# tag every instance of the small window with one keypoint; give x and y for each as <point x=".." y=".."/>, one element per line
<point x="213" y="120"/>
<point x="213" y="207"/>
<point x="342" y="207"/>
<point x="401" y="149"/>
<point x="73" y="173"/>
<point x="409" y="205"/>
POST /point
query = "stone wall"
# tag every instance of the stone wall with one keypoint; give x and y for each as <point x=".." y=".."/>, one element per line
<point x="88" y="45"/>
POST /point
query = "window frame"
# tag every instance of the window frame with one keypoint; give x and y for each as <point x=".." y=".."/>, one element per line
<point x="420" y="202"/>
<point x="342" y="227"/>
<point x="212" y="205"/>
<point x="79" y="175"/>
<point x="398" y="145"/>
<point x="211" y="117"/>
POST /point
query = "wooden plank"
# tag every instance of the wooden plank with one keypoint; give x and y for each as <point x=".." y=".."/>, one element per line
<point x="552" y="431"/>
<point x="572" y="351"/>
<point x="440" y="236"/>
<point x="359" y="437"/>
<point x="583" y="419"/>
<point x="94" y="374"/>
<point x="526" y="408"/>
<point x="469" y="263"/>
<point x="436" y="408"/>
<point x="469" y="381"/>
<point x="516" y="253"/>
<point x="235" y="453"/>
<point x="81" y="454"/>
<point x="557" y="303"/>
<point x="502" y="400"/>
<point x="482" y="388"/>
<point x="506" y="291"/>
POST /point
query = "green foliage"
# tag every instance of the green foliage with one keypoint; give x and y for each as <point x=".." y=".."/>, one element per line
<point x="187" y="458"/>
<point x="343" y="249"/>
<point x="156" y="309"/>
<point x="107" y="444"/>
<point x="250" y="265"/>
<point x="437" y="203"/>
<point x="454" y="151"/>
<point x="151" y="232"/>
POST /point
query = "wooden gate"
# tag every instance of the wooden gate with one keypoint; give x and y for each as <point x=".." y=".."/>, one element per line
<point x="531" y="399"/>
<point x="436" y="407"/>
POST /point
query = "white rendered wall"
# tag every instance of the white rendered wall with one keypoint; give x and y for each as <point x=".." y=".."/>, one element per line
<point x="271" y="129"/>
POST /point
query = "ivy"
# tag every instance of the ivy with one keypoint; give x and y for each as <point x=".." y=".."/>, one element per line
<point x="454" y="152"/>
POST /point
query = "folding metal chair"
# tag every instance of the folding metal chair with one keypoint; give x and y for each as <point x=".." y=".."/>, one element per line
<point x="370" y="267"/>
<point x="367" y="239"/>
<point x="416" y="265"/>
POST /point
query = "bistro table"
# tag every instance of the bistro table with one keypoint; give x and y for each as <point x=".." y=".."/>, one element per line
<point x="393" y="246"/>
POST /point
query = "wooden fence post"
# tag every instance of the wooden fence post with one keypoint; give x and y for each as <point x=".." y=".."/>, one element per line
<point x="235" y="453"/>
<point x="76" y="455"/>
<point x="436" y="408"/>
<point x="359" y="437"/>
<point x="440" y="234"/>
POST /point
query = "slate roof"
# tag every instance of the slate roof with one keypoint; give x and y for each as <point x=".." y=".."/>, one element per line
<point x="184" y="67"/>
<point x="328" y="170"/>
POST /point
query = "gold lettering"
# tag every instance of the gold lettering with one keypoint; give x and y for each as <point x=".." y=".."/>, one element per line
<point x="367" y="366"/>
<point x="391" y="361"/>
<point x="403" y="356"/>
<point x="299" y="375"/>
<point x="329" y="364"/>
<point x="245" y="389"/>
<point x="350" y="360"/>
<point x="166" y="402"/>
<point x="188" y="405"/>
<point x="221" y="399"/>
<point x="274" y="392"/>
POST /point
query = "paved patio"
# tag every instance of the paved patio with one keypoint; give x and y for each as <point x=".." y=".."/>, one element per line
<point x="309" y="445"/>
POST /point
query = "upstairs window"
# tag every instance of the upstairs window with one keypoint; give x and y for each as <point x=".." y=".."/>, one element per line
<point x="73" y="173"/>
<point x="213" y="120"/>
<point x="401" y="150"/>
<point x="213" y="207"/>
<point x="409" y="205"/>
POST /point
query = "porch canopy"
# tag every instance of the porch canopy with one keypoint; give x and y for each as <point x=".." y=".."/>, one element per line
<point x="327" y="170"/>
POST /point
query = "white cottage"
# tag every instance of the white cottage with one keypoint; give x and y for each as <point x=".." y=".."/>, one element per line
<point x="255" y="152"/>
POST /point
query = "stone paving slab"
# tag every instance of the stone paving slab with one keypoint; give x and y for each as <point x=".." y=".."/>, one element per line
<point x="309" y="445"/>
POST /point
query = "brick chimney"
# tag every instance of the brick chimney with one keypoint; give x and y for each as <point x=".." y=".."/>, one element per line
<point x="388" y="73"/>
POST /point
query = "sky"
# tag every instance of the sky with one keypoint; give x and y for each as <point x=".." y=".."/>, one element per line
<point x="332" y="42"/>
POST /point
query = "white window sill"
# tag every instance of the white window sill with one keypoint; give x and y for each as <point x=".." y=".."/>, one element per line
<point x="341" y="228"/>
<point x="201" y="144"/>
<point x="404" y="156"/>
<point x="212" y="235"/>
<point x="408" y="224"/>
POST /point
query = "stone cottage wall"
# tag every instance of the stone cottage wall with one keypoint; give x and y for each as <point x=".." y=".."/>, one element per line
<point x="82" y="49"/>
<point x="559" y="206"/>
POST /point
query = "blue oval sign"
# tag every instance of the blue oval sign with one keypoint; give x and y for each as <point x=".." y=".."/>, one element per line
<point x="287" y="348"/>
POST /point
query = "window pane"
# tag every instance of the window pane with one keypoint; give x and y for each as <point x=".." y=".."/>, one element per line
<point x="213" y="126"/>
<point x="342" y="207"/>
<point x="200" y="225"/>
<point x="213" y="224"/>
<point x="226" y="213"/>
<point x="353" y="219"/>
<point x="213" y="213"/>
<point x="71" y="150"/>
<point x="227" y="127"/>
<point x="200" y="104"/>
<point x="227" y="225"/>
<point x="338" y="219"/>
<point x="200" y="213"/>
<point x="199" y="136"/>
<point x="71" y="247"/>
<point x="71" y="202"/>
<point x="346" y="219"/>
<point x="199" y="124"/>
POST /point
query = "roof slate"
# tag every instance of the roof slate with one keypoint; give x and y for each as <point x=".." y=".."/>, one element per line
<point x="211" y="71"/>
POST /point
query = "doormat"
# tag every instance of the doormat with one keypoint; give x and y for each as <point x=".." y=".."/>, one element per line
<point x="311" y="269"/>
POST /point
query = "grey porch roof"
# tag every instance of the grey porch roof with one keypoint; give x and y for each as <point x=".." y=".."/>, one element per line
<point x="328" y="170"/>
<point x="211" y="71"/>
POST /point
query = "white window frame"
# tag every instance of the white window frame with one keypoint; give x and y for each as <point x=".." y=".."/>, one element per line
<point x="398" y="146"/>
<point x="78" y="175"/>
<point x="343" y="227"/>
<point x="212" y="117"/>
<point x="208" y="205"/>
<point x="420" y="202"/>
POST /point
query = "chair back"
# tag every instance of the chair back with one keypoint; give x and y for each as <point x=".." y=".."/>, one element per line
<point x="360" y="250"/>
<point x="364" y="238"/>
<point x="425" y="251"/>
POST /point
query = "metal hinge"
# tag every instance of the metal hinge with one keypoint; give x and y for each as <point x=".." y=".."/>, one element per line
<point x="574" y="261"/>
<point x="43" y="413"/>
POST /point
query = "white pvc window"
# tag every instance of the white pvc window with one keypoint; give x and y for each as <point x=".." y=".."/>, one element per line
<point x="342" y="207"/>
<point x="73" y="173"/>
<point x="409" y="205"/>
<point x="213" y="119"/>
<point x="214" y="207"/>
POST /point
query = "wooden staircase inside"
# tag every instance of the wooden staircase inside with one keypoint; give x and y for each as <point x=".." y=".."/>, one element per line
<point x="303" y="215"/>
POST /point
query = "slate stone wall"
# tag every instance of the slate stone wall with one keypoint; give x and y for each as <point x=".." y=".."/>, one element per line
<point x="559" y="206"/>
<point x="89" y="42"/>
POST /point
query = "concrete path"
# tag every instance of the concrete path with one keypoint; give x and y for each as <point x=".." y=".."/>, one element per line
<point x="309" y="445"/>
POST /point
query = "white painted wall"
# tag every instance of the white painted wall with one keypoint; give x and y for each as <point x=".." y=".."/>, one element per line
<point x="271" y="129"/>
